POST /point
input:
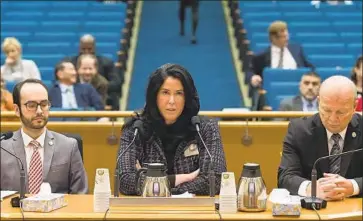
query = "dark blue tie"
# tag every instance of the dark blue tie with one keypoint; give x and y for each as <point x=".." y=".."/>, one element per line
<point x="334" y="163"/>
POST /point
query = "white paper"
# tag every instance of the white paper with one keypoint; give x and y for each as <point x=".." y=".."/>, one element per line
<point x="6" y="193"/>
<point x="183" y="195"/>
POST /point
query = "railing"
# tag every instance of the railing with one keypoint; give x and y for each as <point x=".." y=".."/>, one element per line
<point x="221" y="114"/>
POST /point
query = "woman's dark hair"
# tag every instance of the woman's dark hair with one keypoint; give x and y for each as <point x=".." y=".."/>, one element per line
<point x="150" y="113"/>
<point x="359" y="62"/>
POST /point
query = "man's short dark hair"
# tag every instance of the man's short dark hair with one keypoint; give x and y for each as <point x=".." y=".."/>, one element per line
<point x="18" y="86"/>
<point x="312" y="73"/>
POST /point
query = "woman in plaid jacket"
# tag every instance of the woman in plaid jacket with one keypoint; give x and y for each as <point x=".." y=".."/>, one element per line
<point x="168" y="136"/>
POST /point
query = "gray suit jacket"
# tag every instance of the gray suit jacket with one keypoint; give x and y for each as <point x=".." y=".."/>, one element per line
<point x="291" y="104"/>
<point x="62" y="166"/>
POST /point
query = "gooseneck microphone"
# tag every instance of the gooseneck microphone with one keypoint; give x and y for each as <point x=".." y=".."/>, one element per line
<point x="137" y="126"/>
<point x="15" y="201"/>
<point x="313" y="202"/>
<point x="212" y="177"/>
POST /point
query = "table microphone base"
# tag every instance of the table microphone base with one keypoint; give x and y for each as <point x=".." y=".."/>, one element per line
<point x="308" y="203"/>
<point x="15" y="201"/>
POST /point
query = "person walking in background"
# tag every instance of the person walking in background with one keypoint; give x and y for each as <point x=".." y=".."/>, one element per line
<point x="194" y="4"/>
<point x="15" y="68"/>
<point x="356" y="77"/>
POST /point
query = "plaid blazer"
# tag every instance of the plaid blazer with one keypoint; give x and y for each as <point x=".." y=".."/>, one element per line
<point x="152" y="152"/>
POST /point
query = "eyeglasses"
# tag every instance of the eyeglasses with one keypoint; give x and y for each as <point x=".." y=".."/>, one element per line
<point x="33" y="105"/>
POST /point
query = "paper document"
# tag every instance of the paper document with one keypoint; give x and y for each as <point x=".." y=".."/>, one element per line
<point x="6" y="193"/>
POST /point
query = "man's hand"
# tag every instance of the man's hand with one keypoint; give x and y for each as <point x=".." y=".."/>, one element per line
<point x="324" y="189"/>
<point x="343" y="185"/>
<point x="183" y="178"/>
<point x="256" y="80"/>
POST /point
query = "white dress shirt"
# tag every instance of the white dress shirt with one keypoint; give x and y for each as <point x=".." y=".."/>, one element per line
<point x="29" y="151"/>
<point x="288" y="60"/>
<point x="68" y="96"/>
<point x="305" y="184"/>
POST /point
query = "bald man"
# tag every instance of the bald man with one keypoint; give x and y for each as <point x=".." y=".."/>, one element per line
<point x="335" y="129"/>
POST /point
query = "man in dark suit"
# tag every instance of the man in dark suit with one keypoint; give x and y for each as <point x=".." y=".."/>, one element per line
<point x="47" y="156"/>
<point x="66" y="93"/>
<point x="280" y="54"/>
<point x="335" y="129"/>
<point x="308" y="98"/>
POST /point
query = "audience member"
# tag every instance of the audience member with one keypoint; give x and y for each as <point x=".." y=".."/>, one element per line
<point x="66" y="93"/>
<point x="106" y="68"/>
<point x="280" y="54"/>
<point x="357" y="79"/>
<point x="335" y="129"/>
<point x="307" y="99"/>
<point x="7" y="103"/>
<point x="87" y="71"/>
<point x="194" y="4"/>
<point x="52" y="155"/>
<point x="15" y="68"/>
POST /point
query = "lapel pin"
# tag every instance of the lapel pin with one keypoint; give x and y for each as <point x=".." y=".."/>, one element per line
<point x="354" y="134"/>
<point x="50" y="143"/>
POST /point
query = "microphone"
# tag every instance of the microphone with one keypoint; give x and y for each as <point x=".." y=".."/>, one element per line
<point x="313" y="202"/>
<point x="137" y="126"/>
<point x="6" y="135"/>
<point x="212" y="177"/>
<point x="15" y="201"/>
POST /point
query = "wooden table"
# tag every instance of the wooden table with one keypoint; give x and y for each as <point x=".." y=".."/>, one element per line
<point x="80" y="207"/>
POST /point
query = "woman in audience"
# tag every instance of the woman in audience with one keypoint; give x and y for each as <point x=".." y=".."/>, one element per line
<point x="15" y="68"/>
<point x="357" y="79"/>
<point x="167" y="136"/>
<point x="7" y="103"/>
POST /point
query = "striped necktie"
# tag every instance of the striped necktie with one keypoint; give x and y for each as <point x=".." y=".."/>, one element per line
<point x="35" y="169"/>
<point x="334" y="163"/>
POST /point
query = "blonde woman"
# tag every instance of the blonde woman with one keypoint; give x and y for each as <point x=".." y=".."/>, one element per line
<point x="15" y="68"/>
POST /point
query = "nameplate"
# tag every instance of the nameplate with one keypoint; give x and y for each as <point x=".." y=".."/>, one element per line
<point x="197" y="204"/>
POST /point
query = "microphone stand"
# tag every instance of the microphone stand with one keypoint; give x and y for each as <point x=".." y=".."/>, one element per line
<point x="15" y="201"/>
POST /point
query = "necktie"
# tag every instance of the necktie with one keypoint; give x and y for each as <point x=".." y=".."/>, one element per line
<point x="35" y="169"/>
<point x="334" y="163"/>
<point x="281" y="59"/>
<point x="310" y="106"/>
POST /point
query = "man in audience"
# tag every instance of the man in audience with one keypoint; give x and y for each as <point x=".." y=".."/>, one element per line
<point x="307" y="100"/>
<point x="87" y="71"/>
<point x="280" y="54"/>
<point x="335" y="129"/>
<point x="47" y="156"/>
<point x="66" y="93"/>
<point x="106" y="68"/>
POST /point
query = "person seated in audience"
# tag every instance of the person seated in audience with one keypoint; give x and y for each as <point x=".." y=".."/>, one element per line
<point x="168" y="136"/>
<point x="52" y="155"/>
<point x="357" y="79"/>
<point x="16" y="68"/>
<point x="280" y="54"/>
<point x="7" y="103"/>
<point x="308" y="98"/>
<point x="66" y="93"/>
<point x="106" y="68"/>
<point x="87" y="71"/>
<point x="335" y="129"/>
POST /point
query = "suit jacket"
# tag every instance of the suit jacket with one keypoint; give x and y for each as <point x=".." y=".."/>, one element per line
<point x="100" y="83"/>
<point x="263" y="60"/>
<point x="292" y="104"/>
<point x="306" y="141"/>
<point x="62" y="166"/>
<point x="86" y="96"/>
<point x="151" y="151"/>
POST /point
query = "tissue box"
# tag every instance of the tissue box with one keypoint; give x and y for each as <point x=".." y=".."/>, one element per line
<point x="291" y="208"/>
<point x="43" y="203"/>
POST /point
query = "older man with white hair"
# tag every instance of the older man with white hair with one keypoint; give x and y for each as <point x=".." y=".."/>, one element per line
<point x="335" y="129"/>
